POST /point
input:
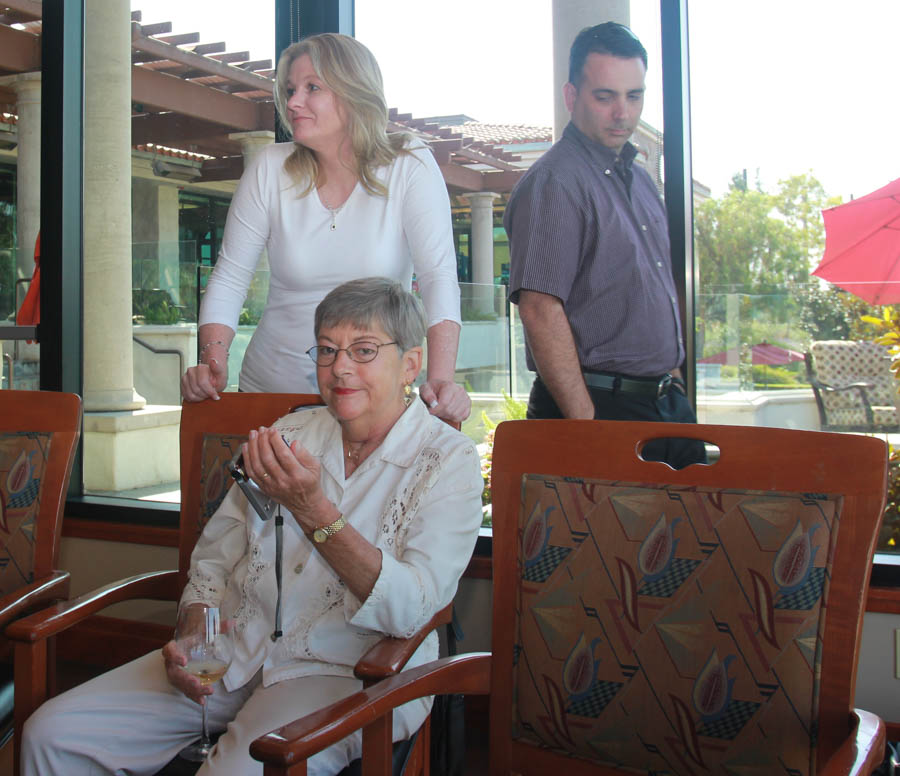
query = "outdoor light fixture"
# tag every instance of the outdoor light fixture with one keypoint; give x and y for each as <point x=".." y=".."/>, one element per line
<point x="181" y="172"/>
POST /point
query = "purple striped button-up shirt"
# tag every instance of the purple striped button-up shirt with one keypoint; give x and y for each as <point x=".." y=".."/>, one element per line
<point x="578" y="233"/>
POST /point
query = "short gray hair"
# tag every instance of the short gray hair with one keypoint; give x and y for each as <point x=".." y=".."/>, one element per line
<point x="367" y="301"/>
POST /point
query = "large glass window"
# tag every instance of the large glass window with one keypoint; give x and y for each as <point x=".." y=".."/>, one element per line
<point x="497" y="98"/>
<point x="197" y="102"/>
<point x="772" y="148"/>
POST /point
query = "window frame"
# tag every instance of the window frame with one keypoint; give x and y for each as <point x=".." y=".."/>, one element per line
<point x="60" y="331"/>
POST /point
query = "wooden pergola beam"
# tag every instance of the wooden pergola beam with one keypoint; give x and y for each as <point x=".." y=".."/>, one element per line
<point x="197" y="61"/>
<point x="21" y="50"/>
<point x="476" y="156"/>
<point x="181" y="38"/>
<point x="228" y="168"/>
<point x="461" y="178"/>
<point x="155" y="29"/>
<point x="176" y="131"/>
<point x="168" y="92"/>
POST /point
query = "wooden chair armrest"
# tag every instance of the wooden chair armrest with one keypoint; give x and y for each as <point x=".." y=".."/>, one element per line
<point x="156" y="585"/>
<point x="40" y="593"/>
<point x="289" y="745"/>
<point x="862" y="750"/>
<point x="389" y="655"/>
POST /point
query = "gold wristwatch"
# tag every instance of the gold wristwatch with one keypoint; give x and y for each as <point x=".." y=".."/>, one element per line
<point x="324" y="532"/>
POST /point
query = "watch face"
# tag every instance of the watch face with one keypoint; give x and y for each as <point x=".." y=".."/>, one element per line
<point x="320" y="535"/>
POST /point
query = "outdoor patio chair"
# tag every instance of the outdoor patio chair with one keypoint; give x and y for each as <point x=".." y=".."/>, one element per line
<point x="211" y="433"/>
<point x="853" y="385"/>
<point x="653" y="620"/>
<point x="38" y="434"/>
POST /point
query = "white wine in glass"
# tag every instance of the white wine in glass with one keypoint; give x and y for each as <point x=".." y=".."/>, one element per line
<point x="205" y="641"/>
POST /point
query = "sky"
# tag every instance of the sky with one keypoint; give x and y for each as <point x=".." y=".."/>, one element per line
<point x="778" y="87"/>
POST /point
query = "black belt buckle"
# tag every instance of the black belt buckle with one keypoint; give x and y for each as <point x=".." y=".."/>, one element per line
<point x="665" y="383"/>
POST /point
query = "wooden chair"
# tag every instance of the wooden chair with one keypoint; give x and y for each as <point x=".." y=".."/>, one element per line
<point x="211" y="433"/>
<point x="658" y="621"/>
<point x="38" y="434"/>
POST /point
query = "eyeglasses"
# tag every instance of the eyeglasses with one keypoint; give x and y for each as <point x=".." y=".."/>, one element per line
<point x="360" y="352"/>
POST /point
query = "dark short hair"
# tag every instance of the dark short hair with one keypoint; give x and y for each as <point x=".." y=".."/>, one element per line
<point x="374" y="301"/>
<point x="607" y="38"/>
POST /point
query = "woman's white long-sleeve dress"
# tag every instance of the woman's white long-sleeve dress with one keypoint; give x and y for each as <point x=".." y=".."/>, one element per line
<point x="408" y="231"/>
<point x="417" y="498"/>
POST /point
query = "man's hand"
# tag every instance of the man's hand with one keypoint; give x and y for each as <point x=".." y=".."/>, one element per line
<point x="555" y="355"/>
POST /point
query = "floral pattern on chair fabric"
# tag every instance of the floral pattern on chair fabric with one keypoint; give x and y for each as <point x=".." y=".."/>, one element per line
<point x="671" y="630"/>
<point x="215" y="480"/>
<point x="840" y="363"/>
<point x="23" y="458"/>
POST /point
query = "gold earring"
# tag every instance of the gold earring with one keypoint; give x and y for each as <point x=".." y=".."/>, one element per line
<point x="407" y="394"/>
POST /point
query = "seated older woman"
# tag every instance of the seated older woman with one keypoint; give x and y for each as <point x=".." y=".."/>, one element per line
<point x="384" y="509"/>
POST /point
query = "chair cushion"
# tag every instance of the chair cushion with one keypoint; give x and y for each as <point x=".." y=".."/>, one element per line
<point x="699" y="612"/>
<point x="23" y="457"/>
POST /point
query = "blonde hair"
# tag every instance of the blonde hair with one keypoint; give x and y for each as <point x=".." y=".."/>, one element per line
<point x="349" y="70"/>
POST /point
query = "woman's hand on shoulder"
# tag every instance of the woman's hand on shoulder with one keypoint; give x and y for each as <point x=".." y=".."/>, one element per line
<point x="446" y="400"/>
<point x="180" y="679"/>
<point x="204" y="381"/>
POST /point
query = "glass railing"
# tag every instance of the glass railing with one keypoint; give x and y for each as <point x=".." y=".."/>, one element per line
<point x="751" y="368"/>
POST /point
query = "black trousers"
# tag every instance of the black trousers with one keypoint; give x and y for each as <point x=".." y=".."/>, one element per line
<point x="608" y="405"/>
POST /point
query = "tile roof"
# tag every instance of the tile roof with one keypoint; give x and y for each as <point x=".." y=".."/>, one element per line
<point x="504" y="134"/>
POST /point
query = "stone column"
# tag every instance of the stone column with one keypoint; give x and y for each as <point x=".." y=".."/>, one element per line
<point x="167" y="236"/>
<point x="569" y="18"/>
<point x="252" y="142"/>
<point x="28" y="171"/>
<point x="482" y="247"/>
<point x="108" y="367"/>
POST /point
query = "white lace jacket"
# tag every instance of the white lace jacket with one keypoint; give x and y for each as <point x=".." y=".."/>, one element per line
<point x="417" y="498"/>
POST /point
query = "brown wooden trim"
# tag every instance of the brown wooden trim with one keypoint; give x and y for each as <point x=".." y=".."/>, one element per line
<point x="893" y="731"/>
<point x="479" y="568"/>
<point x="108" y="642"/>
<point x="120" y="532"/>
<point x="885" y="600"/>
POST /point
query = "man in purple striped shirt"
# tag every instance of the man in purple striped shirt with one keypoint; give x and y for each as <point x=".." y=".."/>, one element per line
<point x="590" y="263"/>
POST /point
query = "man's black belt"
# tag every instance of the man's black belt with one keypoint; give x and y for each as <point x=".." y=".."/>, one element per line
<point x="645" y="386"/>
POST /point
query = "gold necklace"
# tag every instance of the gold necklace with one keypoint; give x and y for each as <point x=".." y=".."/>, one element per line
<point x="352" y="454"/>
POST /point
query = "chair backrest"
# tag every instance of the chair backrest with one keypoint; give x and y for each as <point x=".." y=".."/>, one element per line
<point x="211" y="434"/>
<point x="839" y="363"/>
<point x="38" y="434"/>
<point x="675" y="621"/>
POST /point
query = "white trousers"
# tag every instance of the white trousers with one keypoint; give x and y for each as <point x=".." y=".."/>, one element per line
<point x="132" y="721"/>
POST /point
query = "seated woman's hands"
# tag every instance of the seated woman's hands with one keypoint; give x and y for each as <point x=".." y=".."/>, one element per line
<point x="287" y="474"/>
<point x="446" y="399"/>
<point x="180" y="679"/>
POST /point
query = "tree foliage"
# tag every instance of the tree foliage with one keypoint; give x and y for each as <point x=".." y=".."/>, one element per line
<point x="753" y="242"/>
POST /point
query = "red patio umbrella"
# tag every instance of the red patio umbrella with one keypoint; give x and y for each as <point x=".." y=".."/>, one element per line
<point x="763" y="353"/>
<point x="862" y="246"/>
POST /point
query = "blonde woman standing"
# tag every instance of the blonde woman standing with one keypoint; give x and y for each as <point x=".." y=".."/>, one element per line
<point x="345" y="199"/>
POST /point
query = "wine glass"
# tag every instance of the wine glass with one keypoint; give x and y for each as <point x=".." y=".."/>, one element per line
<point x="206" y="642"/>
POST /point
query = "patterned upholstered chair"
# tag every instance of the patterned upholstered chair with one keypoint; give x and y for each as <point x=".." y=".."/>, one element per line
<point x="648" y="620"/>
<point x="210" y="435"/>
<point x="38" y="434"/>
<point x="854" y="387"/>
